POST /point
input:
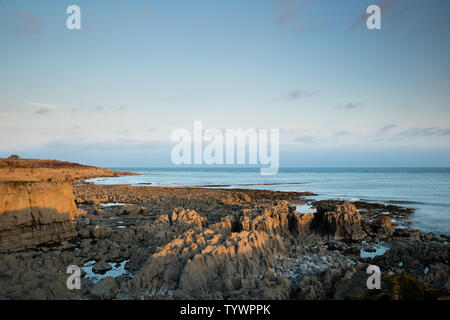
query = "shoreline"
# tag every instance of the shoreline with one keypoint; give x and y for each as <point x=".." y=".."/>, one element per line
<point x="423" y="191"/>
<point x="152" y="242"/>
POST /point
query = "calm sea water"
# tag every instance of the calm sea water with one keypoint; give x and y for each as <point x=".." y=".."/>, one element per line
<point x="427" y="190"/>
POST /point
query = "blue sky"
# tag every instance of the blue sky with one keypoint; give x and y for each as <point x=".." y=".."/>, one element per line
<point x="111" y="93"/>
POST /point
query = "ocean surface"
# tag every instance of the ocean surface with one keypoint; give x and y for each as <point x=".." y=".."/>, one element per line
<point x="427" y="190"/>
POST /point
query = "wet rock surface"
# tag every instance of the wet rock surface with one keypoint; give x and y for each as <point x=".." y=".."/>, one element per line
<point x="186" y="243"/>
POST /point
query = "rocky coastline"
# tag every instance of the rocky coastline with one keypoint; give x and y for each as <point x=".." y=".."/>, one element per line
<point x="196" y="243"/>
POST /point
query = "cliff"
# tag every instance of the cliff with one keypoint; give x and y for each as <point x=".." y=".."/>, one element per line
<point x="33" y="213"/>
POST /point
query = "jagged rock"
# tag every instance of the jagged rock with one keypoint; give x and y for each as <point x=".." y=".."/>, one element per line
<point x="100" y="232"/>
<point x="310" y="288"/>
<point x="201" y="262"/>
<point x="188" y="216"/>
<point x="273" y="219"/>
<point x="300" y="223"/>
<point x="228" y="224"/>
<point x="33" y="213"/>
<point x="277" y="218"/>
<point x="339" y="220"/>
<point x="105" y="289"/>
<point x="381" y="227"/>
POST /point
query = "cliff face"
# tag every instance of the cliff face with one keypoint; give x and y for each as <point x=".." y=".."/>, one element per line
<point x="33" y="213"/>
<point x="36" y="200"/>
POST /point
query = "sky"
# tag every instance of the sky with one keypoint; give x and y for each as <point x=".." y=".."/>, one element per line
<point x="111" y="93"/>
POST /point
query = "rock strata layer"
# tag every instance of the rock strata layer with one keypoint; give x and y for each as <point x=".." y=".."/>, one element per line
<point x="33" y="213"/>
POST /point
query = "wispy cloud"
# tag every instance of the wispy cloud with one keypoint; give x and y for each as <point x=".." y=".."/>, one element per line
<point x="44" y="108"/>
<point x="385" y="129"/>
<point x="298" y="93"/>
<point x="350" y="106"/>
<point x="125" y="131"/>
<point x="42" y="111"/>
<point x="422" y="132"/>
<point x="342" y="133"/>
<point x="307" y="139"/>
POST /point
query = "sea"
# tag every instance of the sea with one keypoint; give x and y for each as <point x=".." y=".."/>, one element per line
<point x="427" y="190"/>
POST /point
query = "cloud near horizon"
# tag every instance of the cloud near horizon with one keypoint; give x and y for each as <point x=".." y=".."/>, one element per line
<point x="299" y="93"/>
<point x="423" y="132"/>
<point x="350" y="106"/>
<point x="342" y="133"/>
<point x="42" y="111"/>
<point x="385" y="129"/>
<point x="44" y="108"/>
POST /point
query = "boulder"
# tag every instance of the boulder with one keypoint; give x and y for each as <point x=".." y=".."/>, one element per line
<point x="101" y="267"/>
<point x="338" y="219"/>
<point x="131" y="209"/>
<point x="383" y="227"/>
<point x="190" y="217"/>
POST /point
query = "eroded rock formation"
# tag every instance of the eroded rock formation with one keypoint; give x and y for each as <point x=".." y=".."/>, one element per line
<point x="199" y="263"/>
<point x="339" y="220"/>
